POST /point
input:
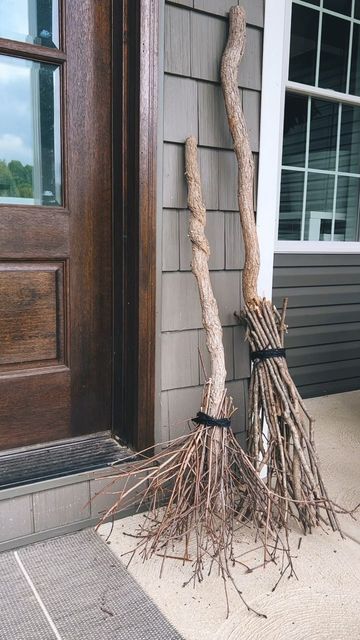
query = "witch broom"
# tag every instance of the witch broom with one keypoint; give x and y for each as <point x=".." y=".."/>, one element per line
<point x="280" y="430"/>
<point x="202" y="489"/>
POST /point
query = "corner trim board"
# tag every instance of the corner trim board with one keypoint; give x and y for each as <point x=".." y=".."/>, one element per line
<point x="136" y="69"/>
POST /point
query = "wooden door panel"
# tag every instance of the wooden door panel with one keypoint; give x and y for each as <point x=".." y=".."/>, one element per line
<point x="32" y="314"/>
<point x="41" y="232"/>
<point x="34" y="407"/>
<point x="56" y="261"/>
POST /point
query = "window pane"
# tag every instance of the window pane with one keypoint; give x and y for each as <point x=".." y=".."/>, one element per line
<point x="30" y="152"/>
<point x="303" y="44"/>
<point x="319" y="205"/>
<point x="323" y="134"/>
<point x="341" y="6"/>
<point x="357" y="10"/>
<point x="347" y="209"/>
<point x="355" y="62"/>
<point x="291" y="204"/>
<point x="295" y="120"/>
<point x="35" y="22"/>
<point x="349" y="157"/>
<point x="315" y="3"/>
<point x="334" y="53"/>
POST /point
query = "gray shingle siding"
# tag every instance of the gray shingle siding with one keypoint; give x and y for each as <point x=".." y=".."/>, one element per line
<point x="323" y="343"/>
<point x="195" y="35"/>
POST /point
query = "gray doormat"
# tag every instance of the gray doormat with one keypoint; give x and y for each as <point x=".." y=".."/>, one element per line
<point x="72" y="588"/>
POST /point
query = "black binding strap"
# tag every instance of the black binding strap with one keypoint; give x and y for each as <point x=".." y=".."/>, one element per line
<point x="265" y="354"/>
<point x="208" y="421"/>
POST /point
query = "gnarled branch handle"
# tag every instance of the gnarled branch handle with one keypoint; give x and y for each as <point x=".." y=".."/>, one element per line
<point x="200" y="269"/>
<point x="229" y="68"/>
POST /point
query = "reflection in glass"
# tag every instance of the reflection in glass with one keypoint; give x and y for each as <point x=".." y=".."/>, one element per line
<point x="319" y="206"/>
<point x="355" y="62"/>
<point x="349" y="156"/>
<point x="340" y="6"/>
<point x="303" y="44"/>
<point x="347" y="209"/>
<point x="334" y="53"/>
<point x="33" y="21"/>
<point x="291" y="204"/>
<point x="295" y="120"/>
<point x="323" y="134"/>
<point x="30" y="152"/>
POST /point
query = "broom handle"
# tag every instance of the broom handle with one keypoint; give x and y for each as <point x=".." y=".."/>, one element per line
<point x="231" y="58"/>
<point x="200" y="269"/>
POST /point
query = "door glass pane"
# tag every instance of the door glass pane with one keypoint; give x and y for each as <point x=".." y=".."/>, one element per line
<point x="355" y="62"/>
<point x="295" y="120"/>
<point x="349" y="156"/>
<point x="33" y="21"/>
<point x="340" y="6"/>
<point x="323" y="134"/>
<point x="291" y="204"/>
<point x="319" y="206"/>
<point x="303" y="44"/>
<point x="30" y="149"/>
<point x="347" y="209"/>
<point x="334" y="53"/>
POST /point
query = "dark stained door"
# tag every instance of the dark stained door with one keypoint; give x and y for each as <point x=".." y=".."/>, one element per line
<point x="55" y="222"/>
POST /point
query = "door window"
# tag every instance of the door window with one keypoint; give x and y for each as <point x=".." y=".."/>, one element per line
<point x="30" y="149"/>
<point x="32" y="21"/>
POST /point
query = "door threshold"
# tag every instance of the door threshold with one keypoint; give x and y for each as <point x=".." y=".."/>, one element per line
<point x="31" y="465"/>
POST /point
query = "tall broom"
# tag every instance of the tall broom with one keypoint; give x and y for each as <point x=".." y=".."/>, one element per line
<point x="202" y="488"/>
<point x="286" y="449"/>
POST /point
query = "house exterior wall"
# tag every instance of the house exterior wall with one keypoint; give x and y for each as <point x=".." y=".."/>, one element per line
<point x="320" y="278"/>
<point x="323" y="343"/>
<point x="194" y="38"/>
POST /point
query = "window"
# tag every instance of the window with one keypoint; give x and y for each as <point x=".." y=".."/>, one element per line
<point x="309" y="162"/>
<point x="320" y="167"/>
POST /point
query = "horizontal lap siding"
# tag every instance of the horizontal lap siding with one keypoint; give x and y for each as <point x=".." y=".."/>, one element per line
<point x="194" y="39"/>
<point x="323" y="342"/>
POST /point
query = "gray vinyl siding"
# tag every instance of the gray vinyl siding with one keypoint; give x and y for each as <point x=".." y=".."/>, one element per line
<point x="194" y="39"/>
<point x="323" y="342"/>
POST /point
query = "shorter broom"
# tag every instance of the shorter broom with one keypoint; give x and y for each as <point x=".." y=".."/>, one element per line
<point x="202" y="488"/>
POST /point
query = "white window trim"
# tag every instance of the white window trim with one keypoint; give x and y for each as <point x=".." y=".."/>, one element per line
<point x="274" y="84"/>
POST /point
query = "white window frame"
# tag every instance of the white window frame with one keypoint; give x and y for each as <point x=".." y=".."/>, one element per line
<point x="274" y="85"/>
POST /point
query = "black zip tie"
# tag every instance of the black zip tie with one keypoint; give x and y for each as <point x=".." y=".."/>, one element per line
<point x="265" y="354"/>
<point x="208" y="421"/>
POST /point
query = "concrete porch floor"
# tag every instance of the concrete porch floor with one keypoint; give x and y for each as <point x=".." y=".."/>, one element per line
<point x="323" y="604"/>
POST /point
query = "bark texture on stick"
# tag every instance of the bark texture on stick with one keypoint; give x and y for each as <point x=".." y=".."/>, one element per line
<point x="200" y="269"/>
<point x="229" y="70"/>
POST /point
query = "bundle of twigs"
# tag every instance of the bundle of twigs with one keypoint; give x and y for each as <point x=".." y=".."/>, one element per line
<point x="280" y="430"/>
<point x="202" y="488"/>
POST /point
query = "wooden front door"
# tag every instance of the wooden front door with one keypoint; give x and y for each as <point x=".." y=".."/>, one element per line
<point x="55" y="221"/>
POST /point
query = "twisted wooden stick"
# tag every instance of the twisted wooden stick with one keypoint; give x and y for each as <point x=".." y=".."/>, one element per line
<point x="200" y="269"/>
<point x="231" y="59"/>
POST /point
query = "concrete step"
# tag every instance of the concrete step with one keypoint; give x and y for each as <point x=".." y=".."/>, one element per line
<point x="57" y="488"/>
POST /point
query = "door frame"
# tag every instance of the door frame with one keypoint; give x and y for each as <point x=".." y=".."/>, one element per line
<point x="135" y="139"/>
